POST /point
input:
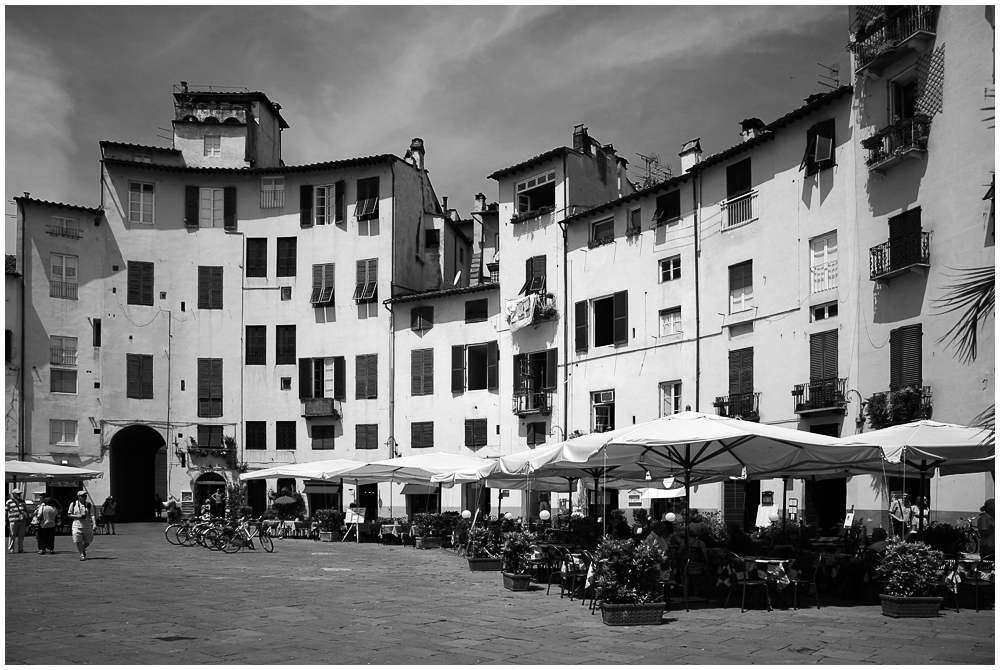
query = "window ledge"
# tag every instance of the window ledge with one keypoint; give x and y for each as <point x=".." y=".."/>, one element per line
<point x="738" y="318"/>
<point x="593" y="244"/>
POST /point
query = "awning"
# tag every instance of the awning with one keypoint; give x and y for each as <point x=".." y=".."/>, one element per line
<point x="321" y="487"/>
<point x="419" y="489"/>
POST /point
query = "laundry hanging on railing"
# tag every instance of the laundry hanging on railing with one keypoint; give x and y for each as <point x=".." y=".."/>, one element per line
<point x="520" y="311"/>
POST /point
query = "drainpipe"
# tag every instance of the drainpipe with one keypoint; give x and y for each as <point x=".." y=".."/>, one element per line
<point x="170" y="338"/>
<point x="20" y="407"/>
<point x="392" y="331"/>
<point x="697" y="296"/>
<point x="565" y="250"/>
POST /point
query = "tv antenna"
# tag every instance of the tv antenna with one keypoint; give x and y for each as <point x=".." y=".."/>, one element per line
<point x="832" y="79"/>
<point x="655" y="173"/>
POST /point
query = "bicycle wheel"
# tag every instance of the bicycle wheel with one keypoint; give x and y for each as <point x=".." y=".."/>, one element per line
<point x="233" y="544"/>
<point x="170" y="532"/>
<point x="971" y="543"/>
<point x="266" y="542"/>
<point x="213" y="538"/>
<point x="185" y="536"/>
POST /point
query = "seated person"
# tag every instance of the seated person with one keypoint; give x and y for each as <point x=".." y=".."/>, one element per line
<point x="739" y="542"/>
<point x="854" y="571"/>
<point x="880" y="540"/>
<point x="622" y="531"/>
<point x="660" y="537"/>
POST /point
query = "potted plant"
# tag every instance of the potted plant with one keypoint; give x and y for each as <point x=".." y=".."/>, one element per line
<point x="912" y="572"/>
<point x="944" y="537"/>
<point x="627" y="583"/>
<point x="483" y="552"/>
<point x="429" y="530"/>
<point x="329" y="522"/>
<point x="514" y="554"/>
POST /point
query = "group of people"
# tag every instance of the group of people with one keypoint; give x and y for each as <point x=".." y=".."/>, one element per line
<point x="46" y="517"/>
<point x="909" y="517"/>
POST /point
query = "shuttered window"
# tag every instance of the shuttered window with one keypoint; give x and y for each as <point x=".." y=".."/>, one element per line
<point x="366" y="376"/>
<point x="209" y="387"/>
<point x="139" y="376"/>
<point x="475" y="367"/>
<point x="322" y="437"/>
<point x="738" y="179"/>
<point x="366" y="436"/>
<point x="905" y="357"/>
<point x="823" y="356"/>
<point x="322" y="378"/>
<point x="536" y="433"/>
<point x="819" y="147"/>
<point x="323" y="205"/>
<point x="209" y="287"/>
<point x="458" y="369"/>
<point x="286" y="256"/>
<point x="256" y="345"/>
<point x="366" y="287"/>
<point x="740" y="287"/>
<point x="305" y="205"/>
<point x="741" y="371"/>
<point x="904" y="224"/>
<point x="140" y="283"/>
<point x="534" y="275"/>
<point x="422" y="372"/>
<point x="422" y="318"/>
<point x="476" y="310"/>
<point x="210" y="207"/>
<point x="422" y="435"/>
<point x="475" y="433"/>
<point x="322" y="284"/>
<point x="210" y="437"/>
<point x="256" y="257"/>
<point x="339" y="206"/>
<point x="284" y="349"/>
<point x="668" y="207"/>
<point x="141" y="200"/>
<point x="367" y="204"/>
<point x="256" y="435"/>
<point x="284" y="435"/>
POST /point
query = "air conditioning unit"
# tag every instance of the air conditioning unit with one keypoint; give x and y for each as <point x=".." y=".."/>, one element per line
<point x="604" y="396"/>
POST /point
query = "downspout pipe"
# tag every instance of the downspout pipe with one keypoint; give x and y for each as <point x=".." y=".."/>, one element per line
<point x="20" y="403"/>
<point x="697" y="293"/>
<point x="565" y="292"/>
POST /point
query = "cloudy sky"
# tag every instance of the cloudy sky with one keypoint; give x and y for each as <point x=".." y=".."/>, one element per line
<point x="485" y="87"/>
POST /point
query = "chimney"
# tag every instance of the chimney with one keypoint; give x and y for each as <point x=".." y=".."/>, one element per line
<point x="444" y="203"/>
<point x="416" y="153"/>
<point x="690" y="154"/>
<point x="184" y="87"/>
<point x="480" y="203"/>
<point x="581" y="139"/>
<point x="751" y="128"/>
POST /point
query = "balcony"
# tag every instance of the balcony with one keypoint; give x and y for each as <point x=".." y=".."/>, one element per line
<point x="900" y="255"/>
<point x="820" y="395"/>
<point x="222" y="113"/>
<point x="62" y="356"/>
<point x="272" y="199"/>
<point x="885" y="37"/>
<point x="542" y="308"/>
<point x="62" y="289"/>
<point x="740" y="210"/>
<point x="64" y="231"/>
<point x="824" y="276"/>
<point x="267" y="458"/>
<point x="745" y="406"/>
<point x="895" y="407"/>
<point x="532" y="402"/>
<point x="903" y="140"/>
<point x="200" y="457"/>
<point x="314" y="408"/>
<point x="521" y="217"/>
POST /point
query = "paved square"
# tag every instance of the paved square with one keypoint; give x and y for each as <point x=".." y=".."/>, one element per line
<point x="140" y="600"/>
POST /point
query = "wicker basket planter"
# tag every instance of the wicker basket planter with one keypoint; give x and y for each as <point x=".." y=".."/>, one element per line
<point x="513" y="582"/>
<point x="899" y="608"/>
<point x="484" y="564"/>
<point x="428" y="543"/>
<point x="646" y="614"/>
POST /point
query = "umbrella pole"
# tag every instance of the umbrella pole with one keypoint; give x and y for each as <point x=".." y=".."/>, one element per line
<point x="920" y="495"/>
<point x="439" y="497"/>
<point x="687" y="537"/>
<point x="784" y="503"/>
<point x="357" y="526"/>
<point x="569" y="506"/>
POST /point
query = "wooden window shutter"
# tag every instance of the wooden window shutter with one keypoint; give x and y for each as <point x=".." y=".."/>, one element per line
<point x="809" y="155"/>
<point x="518" y="380"/>
<point x="551" y="368"/>
<point x="581" y="325"/>
<point x="305" y="378"/>
<point x="326" y="297"/>
<point x="823" y="356"/>
<point x="317" y="287"/>
<point x="305" y="205"/>
<point x="735" y="365"/>
<point x="134" y="283"/>
<point x="904" y="224"/>
<point x="531" y="432"/>
<point x="372" y="375"/>
<point x="216" y="387"/>
<point x="738" y="178"/>
<point x="746" y="371"/>
<point x="131" y="375"/>
<point x="538" y="267"/>
<point x="621" y="317"/>
<point x="215" y="288"/>
<point x="492" y="358"/>
<point x="428" y="431"/>
<point x="416" y="372"/>
<point x="229" y="208"/>
<point x="479" y="432"/>
<point x="428" y="372"/>
<point x="470" y="438"/>
<point x="905" y="357"/>
<point x="146" y="377"/>
<point x="416" y="435"/>
<point x="147" y="283"/>
<point x="192" y="197"/>
<point x="458" y="368"/>
<point x="339" y="378"/>
<point x="360" y="377"/>
<point x="204" y="386"/>
<point x="339" y="208"/>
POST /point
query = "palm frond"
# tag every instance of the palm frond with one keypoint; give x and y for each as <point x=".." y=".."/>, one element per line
<point x="987" y="419"/>
<point x="973" y="291"/>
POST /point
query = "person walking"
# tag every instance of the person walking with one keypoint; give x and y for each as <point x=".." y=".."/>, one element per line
<point x="172" y="509"/>
<point x="45" y="517"/>
<point x="899" y="512"/>
<point x="987" y="538"/>
<point x="108" y="509"/>
<point x="159" y="506"/>
<point x="17" y="520"/>
<point x="82" y="513"/>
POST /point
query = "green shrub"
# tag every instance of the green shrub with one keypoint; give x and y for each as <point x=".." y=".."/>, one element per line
<point x="626" y="573"/>
<point x="910" y="569"/>
<point x="329" y="520"/>
<point x="944" y="537"/>
<point x="483" y="543"/>
<point x="515" y="551"/>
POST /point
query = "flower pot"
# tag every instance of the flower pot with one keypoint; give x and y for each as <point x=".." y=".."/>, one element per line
<point x="899" y="607"/>
<point x="428" y="543"/>
<point x="513" y="582"/>
<point x="484" y="564"/>
<point x="631" y="614"/>
<point x="326" y="536"/>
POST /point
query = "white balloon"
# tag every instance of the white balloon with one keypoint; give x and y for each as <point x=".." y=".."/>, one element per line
<point x="670" y="516"/>
<point x="466" y="514"/>
<point x="544" y="515"/>
<point x="773" y="516"/>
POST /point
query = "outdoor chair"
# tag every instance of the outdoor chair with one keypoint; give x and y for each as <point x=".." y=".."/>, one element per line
<point x="569" y="572"/>
<point x="945" y="585"/>
<point x="538" y="565"/>
<point x="588" y="562"/>
<point x="553" y="567"/>
<point x="745" y="576"/>
<point x="874" y="583"/>
<point x="981" y="577"/>
<point x="806" y="567"/>
<point x="695" y="569"/>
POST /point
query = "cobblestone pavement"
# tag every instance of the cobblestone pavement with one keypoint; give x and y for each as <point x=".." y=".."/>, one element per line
<point x="140" y="600"/>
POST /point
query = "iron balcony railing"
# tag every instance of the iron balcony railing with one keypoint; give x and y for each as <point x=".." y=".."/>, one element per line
<point x="64" y="231"/>
<point x="820" y="394"/>
<point x="321" y="407"/>
<point x="744" y="406"/>
<point x="894" y="142"/>
<point x="824" y="277"/>
<point x="62" y="356"/>
<point x="532" y="402"/>
<point x="521" y="217"/>
<point x="878" y="43"/>
<point x="739" y="210"/>
<point x="272" y="199"/>
<point x="221" y="113"/>
<point x="62" y="289"/>
<point x="899" y="254"/>
<point x="267" y="457"/>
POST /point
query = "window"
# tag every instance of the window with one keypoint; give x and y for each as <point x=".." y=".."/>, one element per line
<point x="322" y="437"/>
<point x="284" y="349"/>
<point x="422" y="372"/>
<point x="536" y="433"/>
<point x="741" y="371"/>
<point x="668" y="207"/>
<point x="670" y="269"/>
<point x="63" y="283"/>
<point x="62" y="381"/>
<point x="670" y="322"/>
<point x="286" y="256"/>
<point x="8" y="344"/>
<point x="823" y="262"/>
<point x="905" y="357"/>
<point x="62" y="431"/>
<point x="903" y="96"/>
<point x="256" y="345"/>
<point x="367" y="205"/>
<point x="740" y="287"/>
<point x="209" y="387"/>
<point x="635" y="221"/>
<point x="284" y="435"/>
<point x="422" y="318"/>
<point x="140" y="202"/>
<point x="272" y="192"/>
<point x="210" y="437"/>
<point x="535" y="193"/>
<point x="602" y="231"/>
<point x="610" y="319"/>
<point x="97" y="332"/>
<point x="62" y="226"/>
<point x="534" y="275"/>
<point x="535" y="376"/>
<point x="670" y="398"/>
<point x="210" y="207"/>
<point x="286" y="292"/>
<point x="823" y="356"/>
<point x="322" y="378"/>
<point x="256" y="435"/>
<point x="323" y="284"/>
<point x="475" y="433"/>
<point x="366" y="436"/>
<point x="432" y="239"/>
<point x="422" y="435"/>
<point x="324" y="198"/>
<point x="209" y="287"/>
<point x="477" y="310"/>
<point x="738" y="179"/>
<point x="139" y="376"/>
<point x="602" y="411"/>
<point x="256" y="257"/>
<point x="285" y="383"/>
<point x="828" y="311"/>
<point x="474" y="367"/>
<point x="63" y="350"/>
<point x="366" y="376"/>
<point x="819" y="147"/>
<point x="140" y="283"/>
<point x="321" y="205"/>
<point x="142" y="158"/>
<point x="213" y="146"/>
<point x="366" y="288"/>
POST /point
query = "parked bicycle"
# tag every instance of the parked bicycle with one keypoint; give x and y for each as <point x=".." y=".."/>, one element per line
<point x="970" y="529"/>
<point x="243" y="537"/>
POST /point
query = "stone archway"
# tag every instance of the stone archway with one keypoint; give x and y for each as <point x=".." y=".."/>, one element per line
<point x="138" y="472"/>
<point x="211" y="488"/>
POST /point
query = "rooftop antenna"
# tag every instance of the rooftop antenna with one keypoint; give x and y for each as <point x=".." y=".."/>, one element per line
<point x="832" y="79"/>
<point x="655" y="174"/>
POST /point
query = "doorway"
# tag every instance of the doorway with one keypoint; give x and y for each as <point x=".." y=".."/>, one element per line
<point x="741" y="498"/>
<point x="138" y="472"/>
<point x="211" y="487"/>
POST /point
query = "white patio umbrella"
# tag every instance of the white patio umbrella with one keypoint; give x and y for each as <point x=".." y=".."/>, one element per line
<point x="330" y="469"/>
<point x="30" y="471"/>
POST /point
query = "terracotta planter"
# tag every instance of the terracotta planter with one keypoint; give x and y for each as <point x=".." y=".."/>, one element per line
<point x="646" y="614"/>
<point x="513" y="582"/>
<point x="484" y="564"/>
<point x="899" y="607"/>
<point x="326" y="536"/>
<point x="428" y="543"/>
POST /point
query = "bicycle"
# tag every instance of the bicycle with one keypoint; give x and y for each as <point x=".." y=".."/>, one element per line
<point x="204" y="533"/>
<point x="243" y="537"/>
<point x="171" y="531"/>
<point x="970" y="528"/>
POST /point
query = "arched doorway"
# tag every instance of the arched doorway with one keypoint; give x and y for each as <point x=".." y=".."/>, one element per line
<point x="138" y="472"/>
<point x="210" y="487"/>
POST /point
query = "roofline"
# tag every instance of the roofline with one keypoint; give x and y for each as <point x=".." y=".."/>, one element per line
<point x="457" y="230"/>
<point x="247" y="95"/>
<point x="444" y="293"/>
<point x="540" y="158"/>
<point x="631" y="197"/>
<point x="61" y="205"/>
<point x="113" y="143"/>
<point x="279" y="169"/>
